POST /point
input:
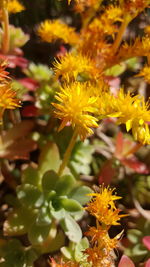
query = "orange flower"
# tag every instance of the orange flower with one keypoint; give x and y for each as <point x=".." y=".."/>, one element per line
<point x="50" y="31"/>
<point x="8" y="98"/>
<point x="102" y="206"/>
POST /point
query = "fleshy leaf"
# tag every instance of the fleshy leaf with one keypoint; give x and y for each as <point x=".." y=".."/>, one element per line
<point x="49" y="180"/>
<point x="126" y="261"/>
<point x="65" y="185"/>
<point x="70" y="205"/>
<point x="49" y="158"/>
<point x="80" y="194"/>
<point x="29" y="195"/>
<point x="71" y="228"/>
<point x="146" y="242"/>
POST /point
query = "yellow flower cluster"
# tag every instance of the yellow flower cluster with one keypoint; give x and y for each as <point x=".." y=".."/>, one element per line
<point x="76" y="106"/>
<point x="102" y="206"/>
<point x="8" y="99"/>
<point x="50" y="31"/>
<point x="72" y="65"/>
<point x="145" y="73"/>
<point x="82" y="104"/>
<point x="134" y="7"/>
<point x="14" y="6"/>
<point x="130" y="110"/>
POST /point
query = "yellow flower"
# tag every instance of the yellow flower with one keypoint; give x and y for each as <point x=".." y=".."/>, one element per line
<point x="130" y="110"/>
<point x="102" y="206"/>
<point x="145" y="73"/>
<point x="8" y="98"/>
<point x="140" y="47"/>
<point x="76" y="106"/>
<point x="50" y="31"/>
<point x="134" y="7"/>
<point x="100" y="254"/>
<point x="14" y="6"/>
<point x="83" y="5"/>
<point x="72" y="65"/>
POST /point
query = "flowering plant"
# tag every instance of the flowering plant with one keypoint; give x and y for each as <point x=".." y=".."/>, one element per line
<point x="74" y="131"/>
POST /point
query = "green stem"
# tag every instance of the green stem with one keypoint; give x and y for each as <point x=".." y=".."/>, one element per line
<point x="68" y="153"/>
<point x="120" y="33"/>
<point x="6" y="37"/>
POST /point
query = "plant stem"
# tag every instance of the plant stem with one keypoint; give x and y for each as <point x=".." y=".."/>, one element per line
<point x="68" y="152"/>
<point x="6" y="38"/>
<point x="120" y="33"/>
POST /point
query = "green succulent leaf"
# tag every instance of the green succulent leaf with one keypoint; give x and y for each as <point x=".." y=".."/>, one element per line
<point x="65" y="185"/>
<point x="70" y="205"/>
<point x="49" y="180"/>
<point x="134" y="235"/>
<point x="44" y="216"/>
<point x="31" y="176"/>
<point x="18" y="222"/>
<point x="49" y="158"/>
<point x="71" y="229"/>
<point x="80" y="194"/>
<point x="30" y="196"/>
<point x="38" y="233"/>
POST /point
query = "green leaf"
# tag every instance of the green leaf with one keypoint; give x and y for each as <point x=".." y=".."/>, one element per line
<point x="70" y="205"/>
<point x="38" y="234"/>
<point x="49" y="180"/>
<point x="67" y="252"/>
<point x="81" y="158"/>
<point x="134" y="235"/>
<point x="71" y="229"/>
<point x="116" y="70"/>
<point x="31" y="176"/>
<point x="65" y="185"/>
<point x="80" y="247"/>
<point x="139" y="250"/>
<point x="56" y="243"/>
<point x="49" y="158"/>
<point x="44" y="217"/>
<point x="18" y="222"/>
<point x="29" y="195"/>
<point x="80" y="194"/>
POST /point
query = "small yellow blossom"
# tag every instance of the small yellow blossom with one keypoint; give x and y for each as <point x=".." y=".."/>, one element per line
<point x="50" y="31"/>
<point x="134" y="7"/>
<point x="83" y="5"/>
<point x="140" y="47"/>
<point x="100" y="254"/>
<point x="8" y="98"/>
<point x="130" y="110"/>
<point x="72" y="65"/>
<point x="147" y="30"/>
<point x="102" y="206"/>
<point x="76" y="106"/>
<point x="14" y="6"/>
<point x="145" y="73"/>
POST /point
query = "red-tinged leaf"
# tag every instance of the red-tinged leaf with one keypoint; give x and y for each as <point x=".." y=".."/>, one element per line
<point x="147" y="264"/>
<point x="126" y="262"/>
<point x="119" y="145"/>
<point x="18" y="131"/>
<point x="146" y="242"/>
<point x="29" y="111"/>
<point x="29" y="83"/>
<point x="107" y="172"/>
<point x="15" y="61"/>
<point x="19" y="150"/>
<point x="136" y="165"/>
